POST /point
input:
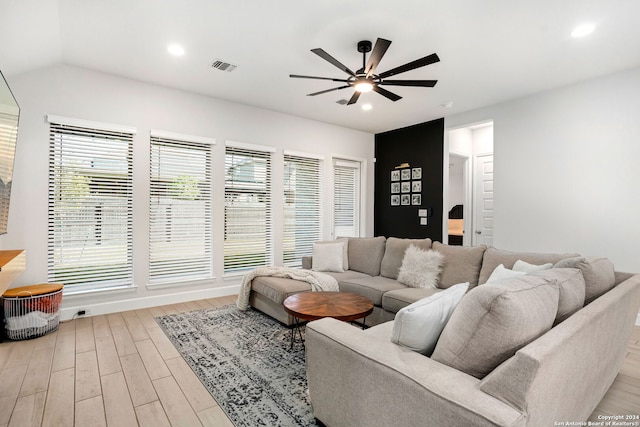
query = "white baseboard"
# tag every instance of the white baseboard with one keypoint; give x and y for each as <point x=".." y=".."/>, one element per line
<point x="67" y="313"/>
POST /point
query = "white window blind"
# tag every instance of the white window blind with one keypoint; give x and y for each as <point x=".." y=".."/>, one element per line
<point x="8" y="135"/>
<point x="302" y="212"/>
<point x="346" y="198"/>
<point x="247" y="209"/>
<point x="180" y="211"/>
<point x="90" y="227"/>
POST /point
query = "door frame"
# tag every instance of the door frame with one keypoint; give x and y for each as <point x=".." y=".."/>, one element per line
<point x="467" y="182"/>
<point x="469" y="207"/>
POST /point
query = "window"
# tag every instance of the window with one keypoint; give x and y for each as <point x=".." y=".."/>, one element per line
<point x="8" y="135"/>
<point x="302" y="212"/>
<point x="247" y="207"/>
<point x="179" y="210"/>
<point x="90" y="230"/>
<point x="346" y="198"/>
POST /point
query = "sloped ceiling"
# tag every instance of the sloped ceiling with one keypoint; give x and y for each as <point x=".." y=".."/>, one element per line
<point x="491" y="50"/>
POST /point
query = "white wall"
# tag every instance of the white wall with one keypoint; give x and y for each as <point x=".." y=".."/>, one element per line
<point x="567" y="168"/>
<point x="83" y="94"/>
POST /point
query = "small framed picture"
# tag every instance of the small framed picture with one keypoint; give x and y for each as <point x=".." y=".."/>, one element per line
<point x="416" y="186"/>
<point x="416" y="199"/>
<point x="423" y="221"/>
<point x="395" y="187"/>
<point x="395" y="200"/>
<point x="395" y="175"/>
<point x="406" y="174"/>
<point x="405" y="200"/>
<point x="406" y="187"/>
<point x="416" y="173"/>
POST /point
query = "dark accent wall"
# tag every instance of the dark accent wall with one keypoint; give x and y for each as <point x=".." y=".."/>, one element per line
<point x="421" y="146"/>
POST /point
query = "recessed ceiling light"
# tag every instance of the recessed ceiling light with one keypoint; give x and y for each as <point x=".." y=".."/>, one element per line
<point x="583" y="30"/>
<point x="366" y="107"/>
<point x="175" y="49"/>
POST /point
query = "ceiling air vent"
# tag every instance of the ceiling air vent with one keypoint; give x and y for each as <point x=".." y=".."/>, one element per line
<point x="223" y="66"/>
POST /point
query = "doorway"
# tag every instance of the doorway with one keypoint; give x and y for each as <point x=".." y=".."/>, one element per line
<point x="468" y="192"/>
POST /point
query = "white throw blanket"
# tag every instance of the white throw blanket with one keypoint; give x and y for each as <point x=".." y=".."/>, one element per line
<point x="318" y="281"/>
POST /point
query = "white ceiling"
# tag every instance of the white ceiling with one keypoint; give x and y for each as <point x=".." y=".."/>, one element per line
<point x="491" y="50"/>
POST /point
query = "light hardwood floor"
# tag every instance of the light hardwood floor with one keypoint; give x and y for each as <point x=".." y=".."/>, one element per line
<point x="121" y="370"/>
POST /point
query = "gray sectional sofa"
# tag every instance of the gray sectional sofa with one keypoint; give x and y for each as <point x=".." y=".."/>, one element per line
<point x="374" y="264"/>
<point x="555" y="377"/>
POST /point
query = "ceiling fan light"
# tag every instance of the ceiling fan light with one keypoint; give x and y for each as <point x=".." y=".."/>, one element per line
<point x="363" y="86"/>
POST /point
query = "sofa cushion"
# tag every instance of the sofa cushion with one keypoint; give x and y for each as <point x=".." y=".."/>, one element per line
<point x="571" y="286"/>
<point x="278" y="289"/>
<point x="365" y="254"/>
<point x="494" y="320"/>
<point x="494" y="257"/>
<point x="371" y="287"/>
<point x="394" y="254"/>
<point x="420" y="267"/>
<point x="461" y="264"/>
<point x="418" y="325"/>
<point x="599" y="274"/>
<point x="347" y="275"/>
<point x="328" y="256"/>
<point x="395" y="300"/>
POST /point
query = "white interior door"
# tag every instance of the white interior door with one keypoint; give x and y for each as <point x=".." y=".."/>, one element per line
<point x="483" y="200"/>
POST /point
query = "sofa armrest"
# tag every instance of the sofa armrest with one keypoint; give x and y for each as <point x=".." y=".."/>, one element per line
<point x="564" y="374"/>
<point x="307" y="262"/>
<point x="356" y="379"/>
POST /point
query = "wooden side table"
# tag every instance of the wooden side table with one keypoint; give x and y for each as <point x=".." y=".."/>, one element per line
<point x="309" y="306"/>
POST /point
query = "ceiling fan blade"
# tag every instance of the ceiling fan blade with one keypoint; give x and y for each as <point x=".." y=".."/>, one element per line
<point x="354" y="98"/>
<point x="390" y="95"/>
<point x="377" y="53"/>
<point x="324" y="55"/>
<point x="296" y="76"/>
<point x="328" y="90"/>
<point x="430" y="59"/>
<point x="421" y="83"/>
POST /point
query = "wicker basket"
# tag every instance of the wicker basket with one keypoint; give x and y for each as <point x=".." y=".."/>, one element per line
<point x="32" y="311"/>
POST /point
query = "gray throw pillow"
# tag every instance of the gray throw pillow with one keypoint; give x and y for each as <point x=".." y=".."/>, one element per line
<point x="461" y="264"/>
<point x="599" y="274"/>
<point x="495" y="320"/>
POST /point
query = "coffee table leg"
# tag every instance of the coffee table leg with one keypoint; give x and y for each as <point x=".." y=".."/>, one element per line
<point x="295" y="328"/>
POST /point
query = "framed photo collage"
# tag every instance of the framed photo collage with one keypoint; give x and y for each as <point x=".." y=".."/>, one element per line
<point x="406" y="187"/>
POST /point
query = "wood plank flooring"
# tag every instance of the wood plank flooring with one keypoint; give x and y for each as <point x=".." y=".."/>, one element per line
<point x="121" y="370"/>
<point x="112" y="370"/>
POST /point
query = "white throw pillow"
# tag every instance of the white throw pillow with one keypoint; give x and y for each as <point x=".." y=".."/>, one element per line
<point x="328" y="257"/>
<point x="420" y="268"/>
<point x="530" y="268"/>
<point x="345" y="252"/>
<point x="419" y="325"/>
<point x="501" y="273"/>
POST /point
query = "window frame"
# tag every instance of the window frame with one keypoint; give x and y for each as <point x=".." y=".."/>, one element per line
<point x="184" y="155"/>
<point x="90" y="170"/>
<point x="310" y="232"/>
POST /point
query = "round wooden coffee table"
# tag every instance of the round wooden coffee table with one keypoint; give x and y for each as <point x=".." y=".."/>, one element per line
<point x="317" y="305"/>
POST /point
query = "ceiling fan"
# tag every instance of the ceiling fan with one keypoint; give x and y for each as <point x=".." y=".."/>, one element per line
<point x="365" y="79"/>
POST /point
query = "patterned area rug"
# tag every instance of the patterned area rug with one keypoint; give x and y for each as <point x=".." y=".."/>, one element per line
<point x="243" y="359"/>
